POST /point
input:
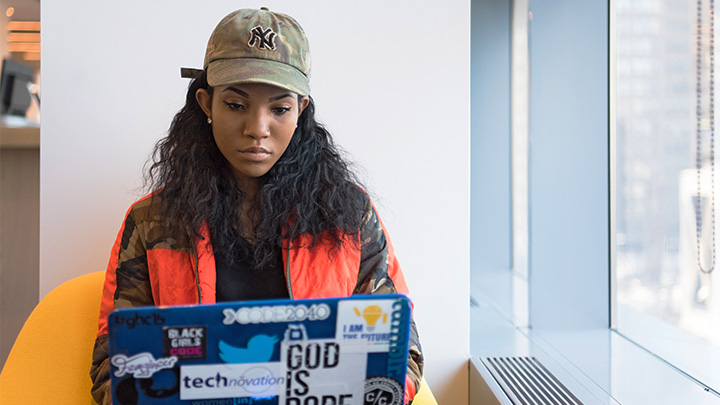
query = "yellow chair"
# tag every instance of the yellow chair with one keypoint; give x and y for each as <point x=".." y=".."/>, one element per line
<point x="50" y="360"/>
<point x="424" y="396"/>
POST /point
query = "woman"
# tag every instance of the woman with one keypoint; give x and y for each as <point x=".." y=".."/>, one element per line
<point x="251" y="198"/>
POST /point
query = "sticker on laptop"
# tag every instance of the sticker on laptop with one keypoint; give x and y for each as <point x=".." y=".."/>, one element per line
<point x="141" y="365"/>
<point x="383" y="390"/>
<point x="336" y="370"/>
<point x="276" y="314"/>
<point x="185" y="342"/>
<point x="259" y="349"/>
<point x="365" y="322"/>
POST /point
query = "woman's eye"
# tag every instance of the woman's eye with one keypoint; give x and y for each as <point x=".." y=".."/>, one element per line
<point x="280" y="110"/>
<point x="234" y="106"/>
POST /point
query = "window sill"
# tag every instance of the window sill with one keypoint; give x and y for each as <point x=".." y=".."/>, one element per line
<point x="598" y="366"/>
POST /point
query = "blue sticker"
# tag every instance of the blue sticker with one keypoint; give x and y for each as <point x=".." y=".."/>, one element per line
<point x="259" y="350"/>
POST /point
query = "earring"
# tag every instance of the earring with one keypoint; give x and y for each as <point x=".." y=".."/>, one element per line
<point x="209" y="120"/>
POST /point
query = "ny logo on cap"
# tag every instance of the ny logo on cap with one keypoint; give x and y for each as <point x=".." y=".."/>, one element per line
<point x="265" y="38"/>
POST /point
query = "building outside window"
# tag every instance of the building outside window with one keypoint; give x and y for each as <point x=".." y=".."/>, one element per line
<point x="663" y="300"/>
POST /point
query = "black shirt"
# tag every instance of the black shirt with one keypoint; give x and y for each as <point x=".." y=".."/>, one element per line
<point x="244" y="282"/>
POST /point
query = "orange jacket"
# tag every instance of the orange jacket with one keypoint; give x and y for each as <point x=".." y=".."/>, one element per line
<point x="149" y="267"/>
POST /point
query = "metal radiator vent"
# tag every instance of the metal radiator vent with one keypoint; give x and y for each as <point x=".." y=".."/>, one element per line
<point x="527" y="382"/>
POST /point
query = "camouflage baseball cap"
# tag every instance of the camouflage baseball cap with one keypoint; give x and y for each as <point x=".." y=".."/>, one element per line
<point x="259" y="46"/>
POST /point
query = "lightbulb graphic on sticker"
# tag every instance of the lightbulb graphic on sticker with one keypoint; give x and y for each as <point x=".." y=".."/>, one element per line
<point x="371" y="314"/>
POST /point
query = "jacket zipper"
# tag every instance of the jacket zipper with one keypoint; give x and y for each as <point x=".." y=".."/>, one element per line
<point x="287" y="273"/>
<point x="197" y="276"/>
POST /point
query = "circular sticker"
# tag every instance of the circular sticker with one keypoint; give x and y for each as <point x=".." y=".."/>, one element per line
<point x="383" y="391"/>
<point x="257" y="380"/>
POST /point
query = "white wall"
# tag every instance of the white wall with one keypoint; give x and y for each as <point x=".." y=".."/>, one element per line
<point x="390" y="80"/>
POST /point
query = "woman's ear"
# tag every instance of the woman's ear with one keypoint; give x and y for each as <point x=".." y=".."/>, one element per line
<point x="205" y="101"/>
<point x="302" y="103"/>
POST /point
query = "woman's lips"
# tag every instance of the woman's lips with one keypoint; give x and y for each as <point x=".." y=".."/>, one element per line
<point x="255" y="153"/>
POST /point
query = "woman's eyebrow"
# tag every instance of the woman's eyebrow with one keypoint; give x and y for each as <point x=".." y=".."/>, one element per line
<point x="236" y="90"/>
<point x="281" y="96"/>
<point x="244" y="94"/>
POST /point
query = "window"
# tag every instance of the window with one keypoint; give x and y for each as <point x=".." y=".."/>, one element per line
<point x="663" y="301"/>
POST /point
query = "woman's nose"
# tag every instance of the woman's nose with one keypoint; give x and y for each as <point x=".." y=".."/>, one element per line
<point x="258" y="125"/>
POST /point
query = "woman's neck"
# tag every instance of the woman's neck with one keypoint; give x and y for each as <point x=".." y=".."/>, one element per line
<point x="250" y="187"/>
<point x="249" y="215"/>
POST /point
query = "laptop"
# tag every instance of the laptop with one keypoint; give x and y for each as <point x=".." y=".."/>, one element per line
<point x="333" y="351"/>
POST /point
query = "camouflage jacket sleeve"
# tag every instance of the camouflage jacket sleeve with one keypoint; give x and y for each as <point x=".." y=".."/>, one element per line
<point x="127" y="284"/>
<point x="377" y="265"/>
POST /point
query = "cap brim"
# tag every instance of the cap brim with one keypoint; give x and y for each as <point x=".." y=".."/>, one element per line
<point x="223" y="72"/>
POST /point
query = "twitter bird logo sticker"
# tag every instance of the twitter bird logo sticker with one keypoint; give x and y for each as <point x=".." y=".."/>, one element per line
<point x="259" y="350"/>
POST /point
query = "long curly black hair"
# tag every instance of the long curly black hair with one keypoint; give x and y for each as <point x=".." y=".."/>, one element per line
<point x="310" y="190"/>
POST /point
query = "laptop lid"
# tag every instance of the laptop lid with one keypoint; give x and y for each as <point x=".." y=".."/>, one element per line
<point x="336" y="351"/>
